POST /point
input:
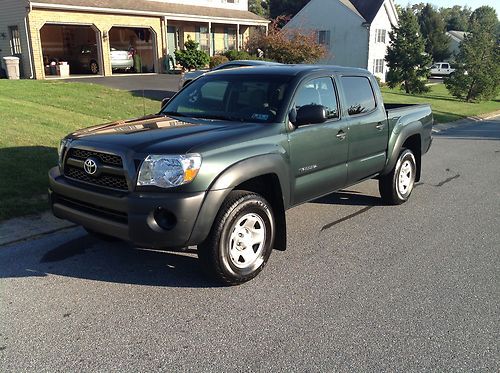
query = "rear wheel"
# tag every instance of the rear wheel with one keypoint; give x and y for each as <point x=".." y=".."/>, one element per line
<point x="241" y="239"/>
<point x="94" y="67"/>
<point x="396" y="187"/>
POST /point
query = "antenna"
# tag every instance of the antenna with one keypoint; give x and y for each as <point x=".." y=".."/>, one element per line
<point x="143" y="100"/>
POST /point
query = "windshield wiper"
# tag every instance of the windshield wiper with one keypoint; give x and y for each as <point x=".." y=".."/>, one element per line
<point x="174" y="113"/>
<point x="217" y="117"/>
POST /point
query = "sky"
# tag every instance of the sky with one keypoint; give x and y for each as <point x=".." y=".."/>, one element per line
<point x="449" y="3"/>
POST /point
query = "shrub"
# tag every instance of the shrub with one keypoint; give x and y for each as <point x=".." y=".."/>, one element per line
<point x="192" y="57"/>
<point x="238" y="55"/>
<point x="217" y="60"/>
<point x="287" y="45"/>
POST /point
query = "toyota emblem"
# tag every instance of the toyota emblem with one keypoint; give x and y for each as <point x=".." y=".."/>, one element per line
<point x="90" y="166"/>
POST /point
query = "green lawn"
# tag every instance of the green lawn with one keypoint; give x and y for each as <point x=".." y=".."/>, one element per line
<point x="446" y="108"/>
<point x="35" y="115"/>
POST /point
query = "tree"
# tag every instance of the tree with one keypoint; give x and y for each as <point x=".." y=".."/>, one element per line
<point x="286" y="7"/>
<point x="259" y="7"/>
<point x="437" y="43"/>
<point x="478" y="73"/>
<point x="287" y="46"/>
<point x="456" y="17"/>
<point x="192" y="57"/>
<point x="406" y="57"/>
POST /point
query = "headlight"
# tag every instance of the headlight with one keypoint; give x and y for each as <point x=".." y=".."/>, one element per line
<point x="167" y="171"/>
<point x="60" y="150"/>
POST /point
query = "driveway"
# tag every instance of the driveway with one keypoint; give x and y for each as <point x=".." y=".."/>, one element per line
<point x="154" y="86"/>
<point x="361" y="287"/>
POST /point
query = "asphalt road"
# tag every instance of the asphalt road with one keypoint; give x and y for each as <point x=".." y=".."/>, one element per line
<point x="362" y="287"/>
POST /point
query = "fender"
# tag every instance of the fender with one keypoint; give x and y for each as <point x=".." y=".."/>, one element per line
<point x="233" y="176"/>
<point x="399" y="135"/>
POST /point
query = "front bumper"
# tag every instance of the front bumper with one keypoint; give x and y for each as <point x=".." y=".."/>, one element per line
<point x="129" y="216"/>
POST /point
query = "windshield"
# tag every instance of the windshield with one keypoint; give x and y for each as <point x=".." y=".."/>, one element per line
<point x="244" y="98"/>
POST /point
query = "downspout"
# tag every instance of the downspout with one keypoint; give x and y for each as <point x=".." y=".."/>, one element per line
<point x="367" y="26"/>
<point x="28" y="39"/>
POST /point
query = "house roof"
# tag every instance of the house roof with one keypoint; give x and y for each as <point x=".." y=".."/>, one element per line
<point x="368" y="8"/>
<point x="145" y="6"/>
<point x="457" y="35"/>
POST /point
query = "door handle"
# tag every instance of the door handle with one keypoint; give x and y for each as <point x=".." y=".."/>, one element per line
<point x="380" y="126"/>
<point x="341" y="135"/>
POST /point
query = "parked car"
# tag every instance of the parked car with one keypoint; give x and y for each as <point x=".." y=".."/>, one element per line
<point x="441" y="69"/>
<point x="120" y="59"/>
<point x="190" y="75"/>
<point x="224" y="159"/>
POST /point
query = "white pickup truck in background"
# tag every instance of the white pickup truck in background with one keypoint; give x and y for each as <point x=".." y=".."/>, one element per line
<point x="442" y="68"/>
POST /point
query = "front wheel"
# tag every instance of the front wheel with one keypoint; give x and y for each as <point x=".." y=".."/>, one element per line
<point x="94" y="67"/>
<point x="396" y="187"/>
<point x="241" y="239"/>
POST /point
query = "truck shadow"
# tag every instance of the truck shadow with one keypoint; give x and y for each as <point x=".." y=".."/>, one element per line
<point x="349" y="197"/>
<point x="89" y="258"/>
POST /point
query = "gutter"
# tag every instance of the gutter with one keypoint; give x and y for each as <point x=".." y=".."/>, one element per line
<point x="28" y="39"/>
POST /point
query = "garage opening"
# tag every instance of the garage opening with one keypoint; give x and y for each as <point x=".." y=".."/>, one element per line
<point x="72" y="44"/>
<point x="132" y="49"/>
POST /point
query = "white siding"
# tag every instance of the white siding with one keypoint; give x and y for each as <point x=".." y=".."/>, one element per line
<point x="225" y="4"/>
<point x="13" y="13"/>
<point x="348" y="37"/>
<point x="378" y="50"/>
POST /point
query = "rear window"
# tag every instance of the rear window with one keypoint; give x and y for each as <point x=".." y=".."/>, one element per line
<point x="359" y="95"/>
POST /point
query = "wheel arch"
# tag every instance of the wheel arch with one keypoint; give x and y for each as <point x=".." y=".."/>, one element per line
<point x="265" y="175"/>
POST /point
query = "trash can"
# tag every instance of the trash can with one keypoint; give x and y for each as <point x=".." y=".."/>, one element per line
<point x="12" y="67"/>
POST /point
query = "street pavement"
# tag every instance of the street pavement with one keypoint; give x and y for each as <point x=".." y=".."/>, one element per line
<point x="361" y="287"/>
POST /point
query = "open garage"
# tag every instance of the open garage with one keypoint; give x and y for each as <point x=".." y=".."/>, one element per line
<point x="132" y="49"/>
<point x="77" y="45"/>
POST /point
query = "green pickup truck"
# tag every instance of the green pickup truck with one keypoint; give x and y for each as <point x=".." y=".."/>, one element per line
<point x="225" y="157"/>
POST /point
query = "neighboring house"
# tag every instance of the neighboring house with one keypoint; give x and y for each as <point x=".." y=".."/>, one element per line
<point x="456" y="38"/>
<point x="83" y="32"/>
<point x="355" y="32"/>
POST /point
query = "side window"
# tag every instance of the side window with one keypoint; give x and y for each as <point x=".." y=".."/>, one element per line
<point x="318" y="91"/>
<point x="358" y="94"/>
<point x="445" y="66"/>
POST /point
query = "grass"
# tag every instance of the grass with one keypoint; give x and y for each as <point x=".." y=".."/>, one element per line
<point x="35" y="115"/>
<point x="445" y="107"/>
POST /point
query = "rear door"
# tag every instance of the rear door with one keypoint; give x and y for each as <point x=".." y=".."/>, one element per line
<point x="368" y="132"/>
<point x="318" y="152"/>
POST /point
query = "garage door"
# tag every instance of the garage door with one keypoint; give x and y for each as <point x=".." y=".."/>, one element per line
<point x="132" y="49"/>
<point x="74" y="44"/>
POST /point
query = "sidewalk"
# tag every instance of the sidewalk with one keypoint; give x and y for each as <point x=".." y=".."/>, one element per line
<point x="30" y="227"/>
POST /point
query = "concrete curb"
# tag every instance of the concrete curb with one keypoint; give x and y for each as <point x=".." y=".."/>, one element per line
<point x="35" y="226"/>
<point x="465" y="121"/>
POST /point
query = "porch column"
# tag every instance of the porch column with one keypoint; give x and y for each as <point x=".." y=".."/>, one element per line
<point x="210" y="50"/>
<point x="237" y="36"/>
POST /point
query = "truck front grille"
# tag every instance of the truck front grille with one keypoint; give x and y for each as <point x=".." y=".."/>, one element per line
<point x="112" y="175"/>
<point x="105" y="158"/>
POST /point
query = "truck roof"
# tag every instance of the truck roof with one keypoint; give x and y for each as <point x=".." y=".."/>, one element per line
<point x="290" y="70"/>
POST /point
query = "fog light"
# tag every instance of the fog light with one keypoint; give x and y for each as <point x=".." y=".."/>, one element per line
<point x="164" y="218"/>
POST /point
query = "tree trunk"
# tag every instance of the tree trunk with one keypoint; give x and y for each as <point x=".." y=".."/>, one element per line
<point x="407" y="87"/>
<point x="469" y="93"/>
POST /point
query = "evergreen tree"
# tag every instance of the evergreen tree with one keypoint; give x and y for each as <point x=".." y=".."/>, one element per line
<point x="478" y="74"/>
<point x="432" y="26"/>
<point x="406" y="55"/>
<point x="259" y="7"/>
<point x="456" y="17"/>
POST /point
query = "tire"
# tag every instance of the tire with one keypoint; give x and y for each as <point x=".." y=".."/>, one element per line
<point x="94" y="67"/>
<point x="241" y="239"/>
<point x="396" y="187"/>
<point x="101" y="236"/>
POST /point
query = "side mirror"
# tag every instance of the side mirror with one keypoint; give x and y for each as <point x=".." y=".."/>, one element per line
<point x="310" y="114"/>
<point x="164" y="102"/>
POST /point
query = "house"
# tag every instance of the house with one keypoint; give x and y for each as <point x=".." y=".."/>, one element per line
<point x="355" y="32"/>
<point x="456" y="38"/>
<point x="84" y="33"/>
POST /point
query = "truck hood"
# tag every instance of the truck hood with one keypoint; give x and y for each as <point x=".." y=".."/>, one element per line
<point x="161" y="134"/>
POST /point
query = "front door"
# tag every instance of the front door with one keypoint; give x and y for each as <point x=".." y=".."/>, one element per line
<point x="318" y="152"/>
<point x="368" y="131"/>
<point x="172" y="39"/>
